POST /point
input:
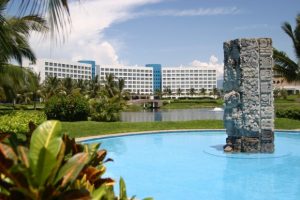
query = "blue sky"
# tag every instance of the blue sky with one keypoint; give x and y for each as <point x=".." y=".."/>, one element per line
<point x="169" y="32"/>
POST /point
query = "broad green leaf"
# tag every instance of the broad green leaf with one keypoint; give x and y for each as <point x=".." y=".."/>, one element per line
<point x="45" y="145"/>
<point x="123" y="194"/>
<point x="72" y="168"/>
<point x="103" y="192"/>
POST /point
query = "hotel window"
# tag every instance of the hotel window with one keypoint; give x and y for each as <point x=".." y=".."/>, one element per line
<point x="46" y="63"/>
<point x="51" y="64"/>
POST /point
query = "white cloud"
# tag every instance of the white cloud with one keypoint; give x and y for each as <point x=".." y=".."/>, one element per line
<point x="192" y="12"/>
<point x="91" y="17"/>
<point x="86" y="41"/>
<point x="212" y="64"/>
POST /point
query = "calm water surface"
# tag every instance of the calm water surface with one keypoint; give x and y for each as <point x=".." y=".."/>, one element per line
<point x="171" y="115"/>
<point x="191" y="166"/>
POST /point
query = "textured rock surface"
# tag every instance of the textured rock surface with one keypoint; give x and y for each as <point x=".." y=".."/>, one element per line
<point x="249" y="111"/>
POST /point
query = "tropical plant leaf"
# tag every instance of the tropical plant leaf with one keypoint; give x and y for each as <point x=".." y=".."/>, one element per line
<point x="45" y="145"/>
<point x="72" y="168"/>
<point x="104" y="192"/>
<point x="75" y="195"/>
<point x="7" y="153"/>
<point x="23" y="155"/>
<point x="123" y="193"/>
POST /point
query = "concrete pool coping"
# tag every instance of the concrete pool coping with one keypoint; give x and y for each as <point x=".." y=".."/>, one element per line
<point x="160" y="131"/>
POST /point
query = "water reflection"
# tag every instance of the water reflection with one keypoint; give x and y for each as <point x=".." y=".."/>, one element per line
<point x="171" y="115"/>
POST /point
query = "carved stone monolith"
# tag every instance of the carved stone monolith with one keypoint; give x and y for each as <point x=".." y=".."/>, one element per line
<point x="249" y="111"/>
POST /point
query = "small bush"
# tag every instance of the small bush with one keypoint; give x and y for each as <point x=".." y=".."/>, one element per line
<point x="106" y="109"/>
<point x="165" y="103"/>
<point x="67" y="108"/>
<point x="288" y="113"/>
<point x="17" y="122"/>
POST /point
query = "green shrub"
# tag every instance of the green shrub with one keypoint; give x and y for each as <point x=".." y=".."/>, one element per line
<point x="67" y="108"/>
<point x="165" y="103"/>
<point x="17" y="121"/>
<point x="106" y="109"/>
<point x="288" y="113"/>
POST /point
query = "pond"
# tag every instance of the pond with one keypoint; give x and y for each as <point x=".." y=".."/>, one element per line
<point x="172" y="115"/>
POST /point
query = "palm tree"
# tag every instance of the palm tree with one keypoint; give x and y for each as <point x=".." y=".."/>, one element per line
<point x="31" y="15"/>
<point x="158" y="93"/>
<point x="94" y="87"/>
<point x="215" y="91"/>
<point x="288" y="68"/>
<point x="110" y="85"/>
<point x="179" y="91"/>
<point x="192" y="91"/>
<point x="17" y="83"/>
<point x="51" y="86"/>
<point x="68" y="85"/>
<point x="14" y="34"/>
<point x="203" y="91"/>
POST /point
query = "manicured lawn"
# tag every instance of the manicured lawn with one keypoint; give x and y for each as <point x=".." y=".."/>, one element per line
<point x="193" y="103"/>
<point x="89" y="128"/>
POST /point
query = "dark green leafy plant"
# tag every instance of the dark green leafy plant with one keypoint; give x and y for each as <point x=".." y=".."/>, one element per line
<point x="54" y="167"/>
<point x="67" y="108"/>
<point x="106" y="109"/>
<point x="17" y="121"/>
<point x="288" y="113"/>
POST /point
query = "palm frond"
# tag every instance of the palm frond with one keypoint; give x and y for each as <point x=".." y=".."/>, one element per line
<point x="285" y="66"/>
<point x="297" y="37"/>
<point x="56" y="12"/>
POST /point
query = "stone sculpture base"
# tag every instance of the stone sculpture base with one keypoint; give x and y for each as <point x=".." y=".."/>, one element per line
<point x="248" y="95"/>
<point x="248" y="144"/>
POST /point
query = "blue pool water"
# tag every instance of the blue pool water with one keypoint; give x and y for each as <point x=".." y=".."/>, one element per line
<point x="192" y="165"/>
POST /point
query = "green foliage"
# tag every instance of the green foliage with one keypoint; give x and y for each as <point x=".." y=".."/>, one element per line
<point x="17" y="122"/>
<point x="67" y="108"/>
<point x="106" y="109"/>
<point x="55" y="167"/>
<point x="288" y="113"/>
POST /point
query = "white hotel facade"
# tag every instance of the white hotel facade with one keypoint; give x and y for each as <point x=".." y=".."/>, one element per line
<point x="185" y="78"/>
<point x="138" y="79"/>
<point x="61" y="69"/>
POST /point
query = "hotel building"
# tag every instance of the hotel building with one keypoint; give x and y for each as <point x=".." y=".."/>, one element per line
<point x="144" y="80"/>
<point x="61" y="69"/>
<point x="186" y="78"/>
<point x="138" y="79"/>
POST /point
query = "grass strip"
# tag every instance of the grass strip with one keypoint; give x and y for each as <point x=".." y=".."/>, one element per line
<point x="90" y="128"/>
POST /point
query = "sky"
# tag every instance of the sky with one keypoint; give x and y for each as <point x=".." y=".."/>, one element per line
<point x="168" y="32"/>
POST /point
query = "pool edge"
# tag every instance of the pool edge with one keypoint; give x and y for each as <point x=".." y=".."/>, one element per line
<point x="79" y="139"/>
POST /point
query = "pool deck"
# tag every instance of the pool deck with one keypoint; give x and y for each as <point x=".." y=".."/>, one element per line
<point x="158" y="131"/>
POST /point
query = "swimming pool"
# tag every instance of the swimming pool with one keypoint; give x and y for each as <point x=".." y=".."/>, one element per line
<point x="191" y="165"/>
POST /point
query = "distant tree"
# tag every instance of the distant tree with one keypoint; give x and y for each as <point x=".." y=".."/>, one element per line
<point x="158" y="93"/>
<point x="167" y="91"/>
<point x="68" y="85"/>
<point x="203" y="90"/>
<point x="179" y="92"/>
<point x="94" y="87"/>
<point x="50" y="87"/>
<point x="215" y="91"/>
<point x="192" y="91"/>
